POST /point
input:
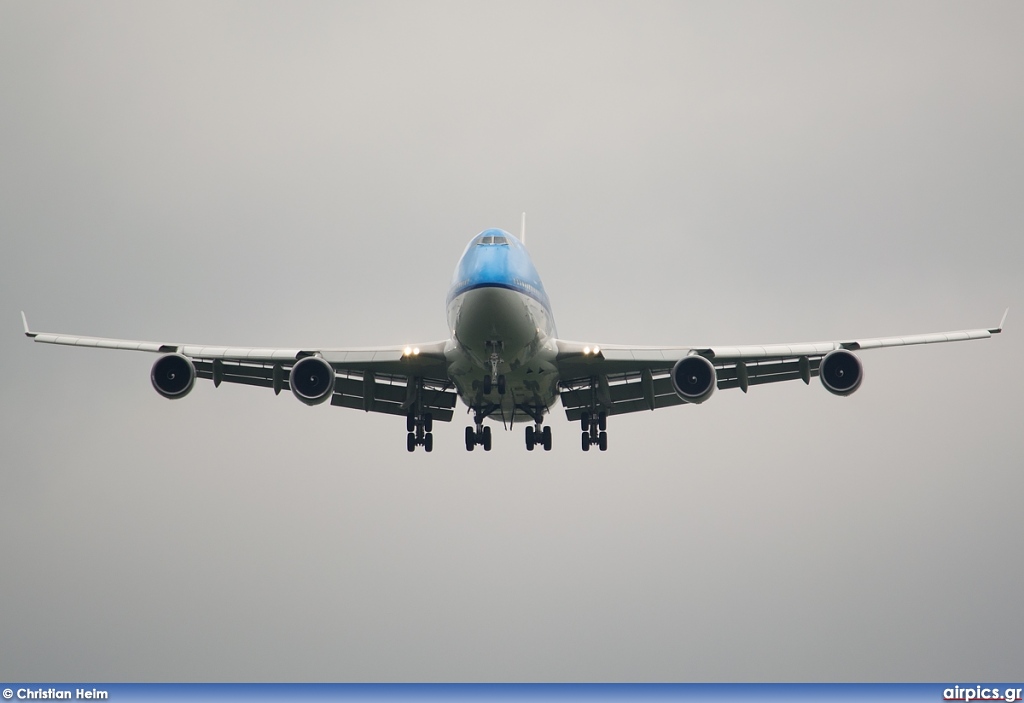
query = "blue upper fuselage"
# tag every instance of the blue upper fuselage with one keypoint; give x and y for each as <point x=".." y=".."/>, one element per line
<point x="496" y="259"/>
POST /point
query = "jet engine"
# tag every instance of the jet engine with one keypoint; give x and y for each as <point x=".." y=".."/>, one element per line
<point x="841" y="372"/>
<point x="312" y="380"/>
<point x="173" y="376"/>
<point x="694" y="379"/>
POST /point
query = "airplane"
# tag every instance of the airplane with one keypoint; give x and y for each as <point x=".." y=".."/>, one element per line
<point x="505" y="361"/>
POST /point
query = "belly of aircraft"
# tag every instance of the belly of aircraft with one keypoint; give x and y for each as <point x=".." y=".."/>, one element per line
<point x="514" y="326"/>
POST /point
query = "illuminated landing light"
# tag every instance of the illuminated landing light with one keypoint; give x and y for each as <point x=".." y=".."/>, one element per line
<point x="586" y="350"/>
<point x="415" y="351"/>
<point x="408" y="351"/>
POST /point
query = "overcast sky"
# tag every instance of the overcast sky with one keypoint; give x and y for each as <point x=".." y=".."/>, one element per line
<point x="307" y="174"/>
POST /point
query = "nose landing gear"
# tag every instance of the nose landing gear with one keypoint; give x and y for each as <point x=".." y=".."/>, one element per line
<point x="494" y="379"/>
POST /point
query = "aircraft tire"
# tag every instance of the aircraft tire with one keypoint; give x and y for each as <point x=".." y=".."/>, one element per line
<point x="547" y="438"/>
<point x="410" y="442"/>
<point x="487" y="439"/>
<point x="428" y="442"/>
<point x="530" y="441"/>
<point x="602" y="441"/>
<point x="470" y="439"/>
<point x="586" y="442"/>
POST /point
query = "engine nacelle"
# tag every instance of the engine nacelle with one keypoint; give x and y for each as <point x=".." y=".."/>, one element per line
<point x="841" y="372"/>
<point x="173" y="376"/>
<point x="312" y="380"/>
<point x="694" y="379"/>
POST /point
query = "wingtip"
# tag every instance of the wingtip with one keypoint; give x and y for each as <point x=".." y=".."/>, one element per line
<point x="24" y="322"/>
<point x="997" y="330"/>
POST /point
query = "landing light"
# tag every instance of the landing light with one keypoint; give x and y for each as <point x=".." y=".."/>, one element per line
<point x="415" y="351"/>
<point x="586" y="350"/>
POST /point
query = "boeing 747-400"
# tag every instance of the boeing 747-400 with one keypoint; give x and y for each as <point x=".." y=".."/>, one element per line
<point x="505" y="361"/>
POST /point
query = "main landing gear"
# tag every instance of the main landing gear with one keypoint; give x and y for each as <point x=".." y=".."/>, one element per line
<point x="538" y="435"/>
<point x="419" y="428"/>
<point x="594" y="427"/>
<point x="479" y="435"/>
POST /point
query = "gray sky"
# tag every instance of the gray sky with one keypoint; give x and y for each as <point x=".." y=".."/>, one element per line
<point x="303" y="174"/>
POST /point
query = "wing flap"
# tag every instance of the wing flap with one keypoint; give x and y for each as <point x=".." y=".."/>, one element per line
<point x="628" y="406"/>
<point x="620" y="393"/>
<point x="381" y="406"/>
<point x="383" y="393"/>
<point x="247" y="374"/>
<point x="391" y="394"/>
<point x="769" y="371"/>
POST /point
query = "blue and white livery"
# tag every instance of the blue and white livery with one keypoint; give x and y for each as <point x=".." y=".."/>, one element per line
<point x="505" y="362"/>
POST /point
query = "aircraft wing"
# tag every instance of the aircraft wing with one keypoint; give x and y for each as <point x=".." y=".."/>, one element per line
<point x="622" y="379"/>
<point x="374" y="379"/>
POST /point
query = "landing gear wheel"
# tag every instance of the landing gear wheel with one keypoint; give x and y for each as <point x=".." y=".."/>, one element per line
<point x="602" y="421"/>
<point x="428" y="442"/>
<point x="586" y="441"/>
<point x="501" y="385"/>
<point x="410" y="422"/>
<point x="410" y="442"/>
<point x="487" y="439"/>
<point x="547" y="439"/>
<point x="585" y="420"/>
<point x="530" y="440"/>
<point x="428" y="423"/>
<point x="487" y="385"/>
<point x="602" y="441"/>
<point x="470" y="439"/>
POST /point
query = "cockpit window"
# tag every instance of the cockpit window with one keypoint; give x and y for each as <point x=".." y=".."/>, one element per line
<point x="493" y="240"/>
